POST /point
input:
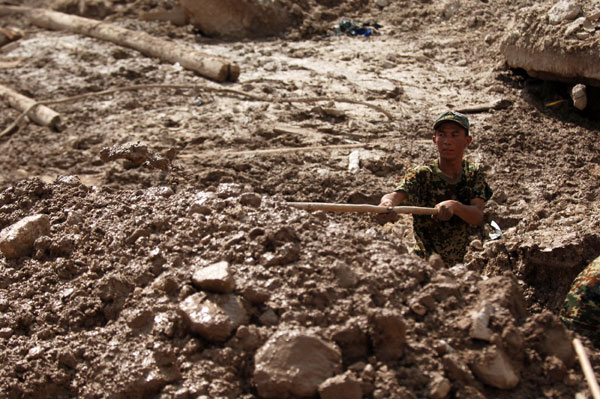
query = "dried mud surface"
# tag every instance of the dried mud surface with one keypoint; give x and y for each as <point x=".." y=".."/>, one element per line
<point x="94" y="310"/>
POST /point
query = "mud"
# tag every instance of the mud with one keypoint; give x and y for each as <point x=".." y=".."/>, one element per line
<point x="143" y="201"/>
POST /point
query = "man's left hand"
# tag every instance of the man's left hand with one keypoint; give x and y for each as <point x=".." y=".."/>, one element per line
<point x="445" y="210"/>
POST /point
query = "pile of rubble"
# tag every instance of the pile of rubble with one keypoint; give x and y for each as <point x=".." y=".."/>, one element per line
<point x="184" y="293"/>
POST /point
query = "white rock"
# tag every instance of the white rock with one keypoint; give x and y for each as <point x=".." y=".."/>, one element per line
<point x="479" y="323"/>
<point x="354" y="161"/>
<point x="579" y="96"/>
<point x="563" y="11"/>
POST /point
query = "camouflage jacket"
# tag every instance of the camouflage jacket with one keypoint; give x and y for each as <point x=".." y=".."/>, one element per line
<point x="427" y="186"/>
<point x="581" y="309"/>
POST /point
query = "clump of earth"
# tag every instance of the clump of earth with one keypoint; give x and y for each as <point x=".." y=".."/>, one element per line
<point x="148" y="250"/>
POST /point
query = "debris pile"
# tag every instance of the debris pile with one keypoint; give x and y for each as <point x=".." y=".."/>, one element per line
<point x="229" y="293"/>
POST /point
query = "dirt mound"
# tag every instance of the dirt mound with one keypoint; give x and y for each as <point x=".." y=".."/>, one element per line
<point x="113" y="304"/>
<point x="559" y="43"/>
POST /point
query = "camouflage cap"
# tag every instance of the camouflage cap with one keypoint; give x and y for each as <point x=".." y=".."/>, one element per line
<point x="452" y="116"/>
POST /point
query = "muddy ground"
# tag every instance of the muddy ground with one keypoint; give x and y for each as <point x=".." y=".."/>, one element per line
<point x="94" y="309"/>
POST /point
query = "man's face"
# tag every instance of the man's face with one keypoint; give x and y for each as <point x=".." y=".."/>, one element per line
<point x="451" y="140"/>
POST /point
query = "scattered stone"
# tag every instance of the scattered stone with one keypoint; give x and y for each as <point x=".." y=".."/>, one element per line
<point x="492" y="367"/>
<point x="287" y="253"/>
<point x="439" y="387"/>
<point x="216" y="278"/>
<point x="293" y="363"/>
<point x="269" y="318"/>
<point x="252" y="199"/>
<point x="229" y="190"/>
<point x="214" y="318"/>
<point x="388" y="334"/>
<point x="17" y="240"/>
<point x="563" y="11"/>
<point x="344" y="386"/>
<point x="436" y="261"/>
<point x="352" y="339"/>
<point x="139" y="318"/>
<point x="345" y="275"/>
<point x="256" y="295"/>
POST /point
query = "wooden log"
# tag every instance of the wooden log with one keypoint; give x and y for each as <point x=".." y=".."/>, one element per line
<point x="323" y="206"/>
<point x="41" y="114"/>
<point x="207" y="65"/>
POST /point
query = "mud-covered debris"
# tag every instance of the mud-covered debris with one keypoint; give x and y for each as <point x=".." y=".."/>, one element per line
<point x="214" y="317"/>
<point x="293" y="363"/>
<point x="493" y="367"/>
<point x="216" y="278"/>
<point x="135" y="155"/>
<point x="341" y="386"/>
<point x="18" y="239"/>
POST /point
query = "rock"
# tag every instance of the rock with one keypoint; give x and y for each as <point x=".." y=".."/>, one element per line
<point x="492" y="367"/>
<point x="551" y="337"/>
<point x="503" y="291"/>
<point x="17" y="240"/>
<point x="214" y="318"/>
<point x="579" y="96"/>
<point x="352" y="339"/>
<point x="345" y="275"/>
<point x="479" y="323"/>
<point x="563" y="11"/>
<point x="388" y="334"/>
<point x="439" y="387"/>
<point x="341" y="386"/>
<point x="238" y="18"/>
<point x="216" y="278"/>
<point x="269" y="318"/>
<point x="293" y="363"/>
<point x="251" y="199"/>
<point x="354" y="161"/>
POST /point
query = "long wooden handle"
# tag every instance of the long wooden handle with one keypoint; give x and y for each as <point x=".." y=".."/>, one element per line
<point x="587" y="368"/>
<point x="324" y="206"/>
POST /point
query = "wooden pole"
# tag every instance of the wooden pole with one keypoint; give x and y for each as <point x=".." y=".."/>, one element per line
<point x="587" y="368"/>
<point x="207" y="65"/>
<point x="41" y="114"/>
<point x="321" y="206"/>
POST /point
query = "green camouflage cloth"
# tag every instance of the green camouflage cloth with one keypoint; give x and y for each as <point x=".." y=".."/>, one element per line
<point x="581" y="310"/>
<point x="427" y="186"/>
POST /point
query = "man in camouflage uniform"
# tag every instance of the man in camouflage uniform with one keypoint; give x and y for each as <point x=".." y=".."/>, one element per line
<point x="581" y="310"/>
<point x="455" y="187"/>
